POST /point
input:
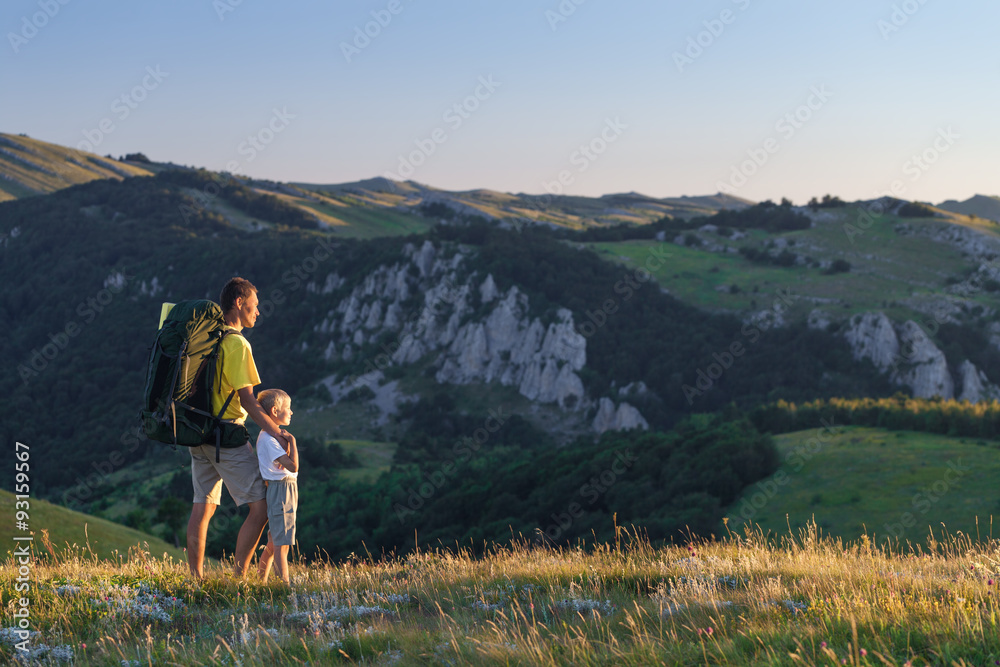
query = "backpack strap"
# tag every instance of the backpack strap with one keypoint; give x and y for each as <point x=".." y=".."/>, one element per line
<point x="218" y="424"/>
<point x="173" y="418"/>
<point x="232" y="392"/>
<point x="173" y="386"/>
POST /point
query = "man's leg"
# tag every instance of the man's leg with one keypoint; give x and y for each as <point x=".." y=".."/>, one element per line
<point x="197" y="531"/>
<point x="249" y="535"/>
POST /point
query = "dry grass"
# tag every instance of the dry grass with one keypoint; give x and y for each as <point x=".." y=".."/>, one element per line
<point x="742" y="600"/>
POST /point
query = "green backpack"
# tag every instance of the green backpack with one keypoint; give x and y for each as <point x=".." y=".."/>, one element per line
<point x="181" y="378"/>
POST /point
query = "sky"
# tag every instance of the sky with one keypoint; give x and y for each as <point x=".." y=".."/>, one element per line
<point x="762" y="99"/>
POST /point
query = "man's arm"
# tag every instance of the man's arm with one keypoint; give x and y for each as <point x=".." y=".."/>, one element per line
<point x="252" y="406"/>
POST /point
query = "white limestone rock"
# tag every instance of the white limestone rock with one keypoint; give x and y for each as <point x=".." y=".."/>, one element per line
<point x="374" y="316"/>
<point x="975" y="386"/>
<point x="488" y="290"/>
<point x="332" y="284"/>
<point x="923" y="368"/>
<point x="624" y="418"/>
<point x="505" y="345"/>
<point x="425" y="259"/>
<point x="872" y="336"/>
<point x="563" y="341"/>
<point x="818" y="319"/>
<point x="393" y="316"/>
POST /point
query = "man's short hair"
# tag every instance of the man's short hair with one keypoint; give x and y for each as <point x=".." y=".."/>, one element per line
<point x="236" y="288"/>
<point x="269" y="398"/>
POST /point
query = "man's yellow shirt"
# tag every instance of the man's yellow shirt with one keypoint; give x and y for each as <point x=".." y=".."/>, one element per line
<point x="236" y="369"/>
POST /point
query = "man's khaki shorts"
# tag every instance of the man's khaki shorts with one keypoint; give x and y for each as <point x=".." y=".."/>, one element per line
<point x="282" y="504"/>
<point x="237" y="467"/>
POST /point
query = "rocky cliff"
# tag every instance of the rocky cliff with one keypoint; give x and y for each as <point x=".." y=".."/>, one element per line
<point x="911" y="359"/>
<point x="432" y="304"/>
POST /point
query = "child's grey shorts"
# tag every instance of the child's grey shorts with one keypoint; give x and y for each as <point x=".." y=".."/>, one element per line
<point x="282" y="502"/>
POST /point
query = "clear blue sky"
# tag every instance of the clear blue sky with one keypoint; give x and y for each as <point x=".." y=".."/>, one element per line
<point x="670" y="127"/>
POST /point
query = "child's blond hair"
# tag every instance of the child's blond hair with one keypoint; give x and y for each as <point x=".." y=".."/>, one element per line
<point x="272" y="398"/>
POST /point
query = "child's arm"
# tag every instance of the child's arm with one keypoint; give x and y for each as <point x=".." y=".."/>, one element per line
<point x="290" y="461"/>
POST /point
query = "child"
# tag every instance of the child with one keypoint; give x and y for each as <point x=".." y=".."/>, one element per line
<point x="279" y="468"/>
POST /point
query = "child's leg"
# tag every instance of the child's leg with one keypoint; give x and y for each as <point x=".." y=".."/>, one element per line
<point x="281" y="562"/>
<point x="266" y="558"/>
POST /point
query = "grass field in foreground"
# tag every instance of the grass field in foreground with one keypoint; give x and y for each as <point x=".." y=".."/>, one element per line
<point x="855" y="479"/>
<point x="746" y="600"/>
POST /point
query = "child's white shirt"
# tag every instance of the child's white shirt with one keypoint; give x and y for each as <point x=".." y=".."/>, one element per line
<point x="268" y="451"/>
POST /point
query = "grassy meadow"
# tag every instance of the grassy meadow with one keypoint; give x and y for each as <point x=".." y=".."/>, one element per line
<point x="67" y="529"/>
<point x="374" y="458"/>
<point x="743" y="600"/>
<point x="30" y="167"/>
<point x="852" y="480"/>
<point x="887" y="268"/>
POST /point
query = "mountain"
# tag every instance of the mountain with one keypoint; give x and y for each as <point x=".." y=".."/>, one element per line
<point x="477" y="339"/>
<point x="31" y="167"/>
<point x="362" y="209"/>
<point x="978" y="205"/>
<point x="572" y="212"/>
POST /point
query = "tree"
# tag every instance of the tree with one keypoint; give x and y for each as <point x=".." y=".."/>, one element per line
<point x="137" y="519"/>
<point x="172" y="511"/>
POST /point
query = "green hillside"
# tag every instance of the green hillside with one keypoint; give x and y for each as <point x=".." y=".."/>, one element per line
<point x="375" y="458"/>
<point x="371" y="208"/>
<point x="68" y="529"/>
<point x="31" y="167"/>
<point x="895" y="266"/>
<point x="561" y="211"/>
<point x="853" y="480"/>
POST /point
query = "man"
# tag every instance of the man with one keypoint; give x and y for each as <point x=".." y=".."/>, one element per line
<point x="237" y="467"/>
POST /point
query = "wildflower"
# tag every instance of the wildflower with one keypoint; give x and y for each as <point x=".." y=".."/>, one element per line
<point x="864" y="652"/>
<point x="989" y="583"/>
<point x="708" y="630"/>
<point x="822" y="644"/>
